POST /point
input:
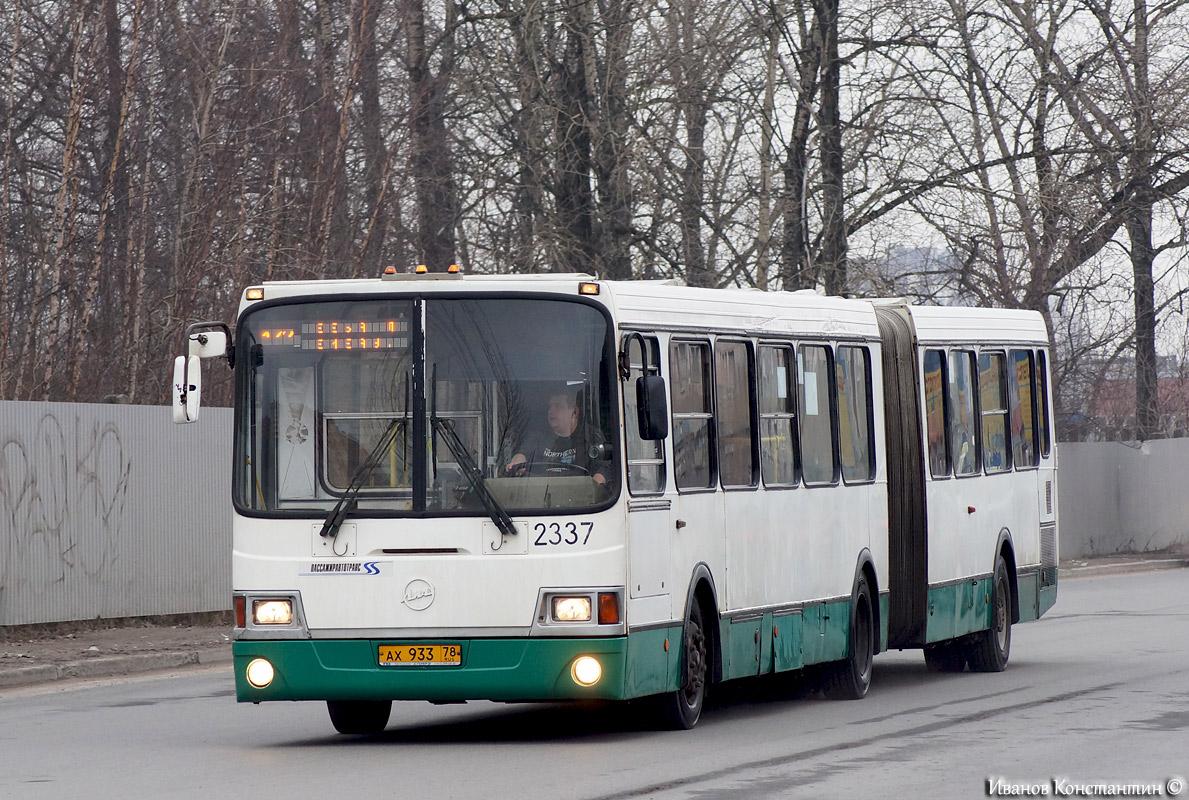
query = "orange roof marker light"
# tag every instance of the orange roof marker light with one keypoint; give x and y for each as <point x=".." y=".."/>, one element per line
<point x="422" y="273"/>
<point x="588" y="288"/>
<point x="254" y="293"/>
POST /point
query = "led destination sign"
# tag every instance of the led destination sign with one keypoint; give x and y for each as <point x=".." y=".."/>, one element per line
<point x="389" y="334"/>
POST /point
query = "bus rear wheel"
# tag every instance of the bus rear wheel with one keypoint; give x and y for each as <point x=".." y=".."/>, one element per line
<point x="683" y="707"/>
<point x="850" y="678"/>
<point x="359" y="716"/>
<point x="990" y="651"/>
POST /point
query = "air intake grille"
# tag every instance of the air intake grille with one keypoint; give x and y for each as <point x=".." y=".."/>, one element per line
<point x="1048" y="497"/>
<point x="1048" y="544"/>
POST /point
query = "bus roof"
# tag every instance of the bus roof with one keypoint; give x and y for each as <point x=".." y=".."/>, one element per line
<point x="642" y="304"/>
<point x="967" y="325"/>
<point x="667" y="305"/>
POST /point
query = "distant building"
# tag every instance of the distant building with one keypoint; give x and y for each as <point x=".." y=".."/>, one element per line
<point x="1110" y="410"/>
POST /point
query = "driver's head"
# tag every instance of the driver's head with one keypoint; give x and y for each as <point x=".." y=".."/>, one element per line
<point x="563" y="413"/>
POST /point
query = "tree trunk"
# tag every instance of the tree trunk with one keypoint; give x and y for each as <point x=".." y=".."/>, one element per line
<point x="833" y="252"/>
<point x="575" y="200"/>
<point x="691" y="94"/>
<point x="767" y="111"/>
<point x="375" y="176"/>
<point x="1139" y="231"/>
<point x="797" y="268"/>
<point x="611" y="166"/>
<point x="528" y="136"/>
<point x="430" y="159"/>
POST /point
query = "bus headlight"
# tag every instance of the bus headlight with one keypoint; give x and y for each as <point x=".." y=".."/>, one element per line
<point x="586" y="671"/>
<point x="272" y="612"/>
<point x="571" y="609"/>
<point x="259" y="673"/>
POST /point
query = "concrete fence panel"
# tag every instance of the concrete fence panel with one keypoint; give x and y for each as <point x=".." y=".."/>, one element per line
<point x="1123" y="497"/>
<point x="112" y="511"/>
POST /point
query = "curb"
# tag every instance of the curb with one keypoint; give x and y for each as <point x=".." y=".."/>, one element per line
<point x="1143" y="565"/>
<point x="107" y="666"/>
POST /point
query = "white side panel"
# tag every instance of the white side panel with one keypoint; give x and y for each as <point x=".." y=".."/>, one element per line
<point x="698" y="537"/>
<point x="796" y="545"/>
<point x="966" y="516"/>
<point x="649" y="549"/>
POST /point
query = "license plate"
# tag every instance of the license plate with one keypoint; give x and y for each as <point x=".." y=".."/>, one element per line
<point x="420" y="655"/>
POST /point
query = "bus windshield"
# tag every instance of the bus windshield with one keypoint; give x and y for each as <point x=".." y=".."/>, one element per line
<point x="512" y="402"/>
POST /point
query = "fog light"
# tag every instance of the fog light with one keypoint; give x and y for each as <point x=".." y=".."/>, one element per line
<point x="586" y="671"/>
<point x="571" y="609"/>
<point x="260" y="673"/>
<point x="272" y="612"/>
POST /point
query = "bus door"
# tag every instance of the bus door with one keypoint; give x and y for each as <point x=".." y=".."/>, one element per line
<point x="1047" y="477"/>
<point x="756" y="574"/>
<point x="650" y="517"/>
<point x="698" y="533"/>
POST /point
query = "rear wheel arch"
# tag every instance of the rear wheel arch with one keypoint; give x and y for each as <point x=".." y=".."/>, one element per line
<point x="865" y="566"/>
<point x="1007" y="551"/>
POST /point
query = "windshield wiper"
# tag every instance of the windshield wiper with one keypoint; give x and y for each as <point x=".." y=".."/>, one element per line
<point x="474" y="475"/>
<point x="347" y="502"/>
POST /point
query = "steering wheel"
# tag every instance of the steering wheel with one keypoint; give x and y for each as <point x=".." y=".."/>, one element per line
<point x="544" y="469"/>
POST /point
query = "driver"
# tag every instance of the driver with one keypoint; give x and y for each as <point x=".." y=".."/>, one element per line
<point x="568" y="441"/>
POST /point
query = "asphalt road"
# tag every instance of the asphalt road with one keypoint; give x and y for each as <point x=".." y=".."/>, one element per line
<point x="1097" y="694"/>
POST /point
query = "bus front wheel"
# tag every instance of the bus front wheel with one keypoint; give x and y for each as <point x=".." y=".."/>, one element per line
<point x="989" y="652"/>
<point x="850" y="678"/>
<point x="359" y="716"/>
<point x="683" y="707"/>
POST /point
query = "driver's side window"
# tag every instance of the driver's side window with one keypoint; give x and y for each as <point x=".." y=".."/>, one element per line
<point x="645" y="459"/>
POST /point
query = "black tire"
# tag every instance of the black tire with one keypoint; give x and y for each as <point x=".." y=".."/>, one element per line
<point x="850" y="678"/>
<point x="990" y="651"/>
<point x="945" y="657"/>
<point x="359" y="716"/>
<point x="683" y="707"/>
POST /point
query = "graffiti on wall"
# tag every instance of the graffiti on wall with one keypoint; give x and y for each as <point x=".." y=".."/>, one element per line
<point x="63" y="491"/>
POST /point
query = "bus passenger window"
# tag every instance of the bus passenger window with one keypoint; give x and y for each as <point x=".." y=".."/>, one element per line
<point x="733" y="387"/>
<point x="814" y="382"/>
<point x="693" y="424"/>
<point x="938" y="443"/>
<point x="853" y="371"/>
<point x="1042" y="399"/>
<point x="645" y="459"/>
<point x="963" y="428"/>
<point x="1022" y="408"/>
<point x="993" y="398"/>
<point x="778" y="444"/>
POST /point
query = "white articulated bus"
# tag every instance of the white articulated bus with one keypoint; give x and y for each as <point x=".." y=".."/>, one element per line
<point x="551" y="487"/>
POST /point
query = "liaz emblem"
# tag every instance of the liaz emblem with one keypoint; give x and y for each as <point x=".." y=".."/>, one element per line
<point x="419" y="595"/>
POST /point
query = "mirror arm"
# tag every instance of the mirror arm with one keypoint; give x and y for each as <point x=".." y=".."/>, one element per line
<point x="625" y="359"/>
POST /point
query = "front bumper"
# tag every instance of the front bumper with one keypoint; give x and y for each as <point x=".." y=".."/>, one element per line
<point x="521" y="669"/>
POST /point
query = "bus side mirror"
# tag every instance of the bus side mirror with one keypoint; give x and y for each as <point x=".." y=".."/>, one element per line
<point x="187" y="388"/>
<point x="652" y="411"/>
<point x="207" y="344"/>
<point x="203" y="340"/>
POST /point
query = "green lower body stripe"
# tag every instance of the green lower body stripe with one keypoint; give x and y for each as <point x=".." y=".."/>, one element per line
<point x="491" y="669"/>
